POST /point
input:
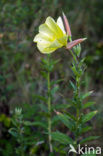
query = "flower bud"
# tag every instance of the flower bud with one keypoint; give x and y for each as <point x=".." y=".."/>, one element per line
<point x="77" y="49"/>
<point x="18" y="111"/>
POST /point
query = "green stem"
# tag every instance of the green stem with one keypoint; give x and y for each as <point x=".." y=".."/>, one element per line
<point x="22" y="150"/>
<point x="21" y="139"/>
<point x="77" y="94"/>
<point x="49" y="110"/>
<point x="74" y="57"/>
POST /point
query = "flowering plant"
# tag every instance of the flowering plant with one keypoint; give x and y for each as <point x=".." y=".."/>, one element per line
<point x="53" y="35"/>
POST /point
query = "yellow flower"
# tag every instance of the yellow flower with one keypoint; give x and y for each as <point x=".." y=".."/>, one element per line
<point x="51" y="36"/>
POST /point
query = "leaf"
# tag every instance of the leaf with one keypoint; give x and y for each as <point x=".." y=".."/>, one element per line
<point x="54" y="90"/>
<point x="74" y="70"/>
<point x="85" y="129"/>
<point x="40" y="97"/>
<point x="41" y="124"/>
<point x="81" y="62"/>
<point x="44" y="74"/>
<point x="88" y="104"/>
<point x="90" y="138"/>
<point x="86" y="94"/>
<point x="56" y="61"/>
<point x="66" y="120"/>
<point x="61" y="106"/>
<point x="56" y="81"/>
<point x="88" y="116"/>
<point x="55" y="119"/>
<point x="73" y="85"/>
<point x="71" y="116"/>
<point x="13" y="132"/>
<point x="13" y="122"/>
<point x="61" y="138"/>
<point x="43" y="107"/>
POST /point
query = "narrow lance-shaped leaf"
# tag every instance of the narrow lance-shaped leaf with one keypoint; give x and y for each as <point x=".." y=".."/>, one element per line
<point x="86" y="94"/>
<point x="88" y="116"/>
<point x="73" y="85"/>
<point x="66" y="120"/>
<point x="86" y="129"/>
<point x="13" y="132"/>
<point x="41" y="124"/>
<point x="61" y="138"/>
<point x="61" y="106"/>
<point x="76" y="73"/>
<point x="72" y="117"/>
<point x="56" y="81"/>
<point x="90" y="138"/>
<point x="88" y="104"/>
<point x="54" y="90"/>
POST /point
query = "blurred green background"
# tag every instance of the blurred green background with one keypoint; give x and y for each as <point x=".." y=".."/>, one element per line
<point x="21" y="82"/>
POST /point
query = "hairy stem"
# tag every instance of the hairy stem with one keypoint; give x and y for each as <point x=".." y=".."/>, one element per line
<point x="49" y="111"/>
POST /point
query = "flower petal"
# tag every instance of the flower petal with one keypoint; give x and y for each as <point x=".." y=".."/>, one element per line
<point x="44" y="29"/>
<point x="60" y="24"/>
<point x="63" y="40"/>
<point x="42" y="38"/>
<point x="56" y="44"/>
<point x="54" y="27"/>
<point x="49" y="48"/>
<point x="43" y="48"/>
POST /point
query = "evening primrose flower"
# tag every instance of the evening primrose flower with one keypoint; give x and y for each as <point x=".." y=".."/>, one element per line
<point x="54" y="35"/>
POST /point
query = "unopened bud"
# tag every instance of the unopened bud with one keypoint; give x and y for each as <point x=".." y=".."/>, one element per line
<point x="18" y="111"/>
<point x="77" y="49"/>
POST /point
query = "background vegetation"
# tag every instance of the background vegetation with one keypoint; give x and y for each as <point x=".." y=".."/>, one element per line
<point x="21" y="81"/>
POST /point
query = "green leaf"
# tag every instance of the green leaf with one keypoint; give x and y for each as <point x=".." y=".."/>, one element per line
<point x="61" y="106"/>
<point x="56" y="61"/>
<point x="61" y="138"/>
<point x="81" y="62"/>
<point x="73" y="85"/>
<point x="88" y="104"/>
<point x="74" y="70"/>
<point x="90" y="138"/>
<point x="66" y="120"/>
<point x="88" y="116"/>
<point x="71" y="116"/>
<point x="40" y="97"/>
<point x="55" y="119"/>
<point x="41" y="124"/>
<point x="56" y="81"/>
<point x="14" y="122"/>
<point x="54" y="90"/>
<point x="44" y="74"/>
<point x="43" y="107"/>
<point x="86" y="94"/>
<point x="85" y="129"/>
<point x="13" y="132"/>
